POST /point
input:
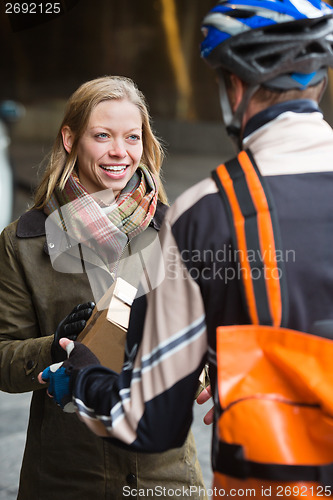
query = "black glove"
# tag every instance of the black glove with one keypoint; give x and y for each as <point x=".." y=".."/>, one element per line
<point x="70" y="327"/>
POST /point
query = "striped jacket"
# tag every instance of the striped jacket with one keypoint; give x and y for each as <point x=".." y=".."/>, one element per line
<point x="173" y="327"/>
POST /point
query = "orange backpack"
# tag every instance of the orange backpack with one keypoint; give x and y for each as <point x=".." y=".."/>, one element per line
<point x="274" y="424"/>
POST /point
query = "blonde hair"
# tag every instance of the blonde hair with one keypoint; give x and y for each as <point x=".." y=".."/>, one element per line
<point x="77" y="113"/>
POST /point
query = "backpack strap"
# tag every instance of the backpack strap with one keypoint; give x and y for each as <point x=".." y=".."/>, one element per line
<point x="231" y="461"/>
<point x="255" y="236"/>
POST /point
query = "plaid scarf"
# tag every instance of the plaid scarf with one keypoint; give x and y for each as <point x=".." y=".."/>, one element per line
<point x="105" y="229"/>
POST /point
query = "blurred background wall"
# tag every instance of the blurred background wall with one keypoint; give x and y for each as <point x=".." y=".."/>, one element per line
<point x="155" y="42"/>
<point x="44" y="58"/>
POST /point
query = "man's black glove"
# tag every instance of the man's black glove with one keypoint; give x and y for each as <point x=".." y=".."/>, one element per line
<point x="70" y="327"/>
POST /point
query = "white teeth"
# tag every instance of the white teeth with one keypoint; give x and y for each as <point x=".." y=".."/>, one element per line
<point x="113" y="168"/>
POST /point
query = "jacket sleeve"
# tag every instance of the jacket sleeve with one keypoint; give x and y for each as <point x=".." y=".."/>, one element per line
<point x="149" y="406"/>
<point x="23" y="353"/>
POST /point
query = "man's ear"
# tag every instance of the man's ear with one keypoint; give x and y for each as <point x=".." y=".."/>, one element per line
<point x="67" y="138"/>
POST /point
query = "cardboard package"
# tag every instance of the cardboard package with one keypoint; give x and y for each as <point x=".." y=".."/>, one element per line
<point x="105" y="332"/>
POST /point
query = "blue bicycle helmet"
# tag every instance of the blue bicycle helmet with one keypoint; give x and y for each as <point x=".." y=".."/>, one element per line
<point x="280" y="44"/>
<point x="260" y="39"/>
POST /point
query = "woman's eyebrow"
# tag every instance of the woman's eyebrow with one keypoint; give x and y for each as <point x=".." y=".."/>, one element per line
<point x="108" y="128"/>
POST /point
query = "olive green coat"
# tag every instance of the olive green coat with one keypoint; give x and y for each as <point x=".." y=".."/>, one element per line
<point x="62" y="458"/>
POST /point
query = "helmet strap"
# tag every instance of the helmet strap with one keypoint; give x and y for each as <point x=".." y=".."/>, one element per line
<point x="233" y="120"/>
<point x="323" y="88"/>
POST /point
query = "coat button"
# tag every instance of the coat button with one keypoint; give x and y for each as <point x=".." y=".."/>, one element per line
<point x="131" y="479"/>
<point x="30" y="364"/>
<point x="51" y="245"/>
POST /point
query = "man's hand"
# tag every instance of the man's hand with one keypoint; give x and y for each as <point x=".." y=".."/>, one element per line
<point x="70" y="327"/>
<point x="61" y="376"/>
<point x="204" y="396"/>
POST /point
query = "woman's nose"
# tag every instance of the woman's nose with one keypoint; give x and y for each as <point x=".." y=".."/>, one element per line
<point x="118" y="149"/>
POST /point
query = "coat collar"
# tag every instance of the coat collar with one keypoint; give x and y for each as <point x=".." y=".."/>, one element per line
<point x="32" y="223"/>
<point x="269" y="114"/>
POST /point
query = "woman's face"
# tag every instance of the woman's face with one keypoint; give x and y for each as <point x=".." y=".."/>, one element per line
<point x="110" y="149"/>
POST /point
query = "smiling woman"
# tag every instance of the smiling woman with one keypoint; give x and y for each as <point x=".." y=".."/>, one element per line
<point x="110" y="149"/>
<point x="108" y="120"/>
<point x="104" y="166"/>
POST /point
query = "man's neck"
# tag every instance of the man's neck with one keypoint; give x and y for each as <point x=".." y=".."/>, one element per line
<point x="267" y="114"/>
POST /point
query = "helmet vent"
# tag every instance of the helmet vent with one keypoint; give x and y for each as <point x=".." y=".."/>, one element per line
<point x="315" y="48"/>
<point x="240" y="13"/>
<point x="281" y="29"/>
<point x="244" y="51"/>
<point x="249" y="53"/>
<point x="269" y="61"/>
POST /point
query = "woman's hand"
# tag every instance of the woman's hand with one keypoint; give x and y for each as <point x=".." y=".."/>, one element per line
<point x="70" y="327"/>
<point x="204" y="396"/>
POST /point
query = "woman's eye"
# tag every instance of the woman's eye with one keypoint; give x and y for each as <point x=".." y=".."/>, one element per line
<point x="102" y="135"/>
<point x="134" y="137"/>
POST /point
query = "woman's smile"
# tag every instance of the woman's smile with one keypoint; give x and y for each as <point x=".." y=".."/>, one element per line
<point x="115" y="171"/>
